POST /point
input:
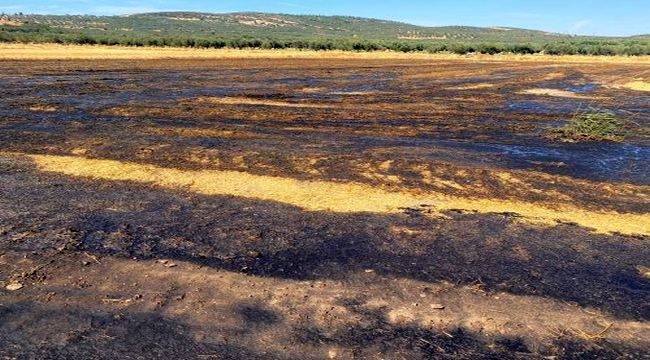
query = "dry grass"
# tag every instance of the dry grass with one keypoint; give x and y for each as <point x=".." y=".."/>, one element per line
<point x="554" y="75"/>
<point x="10" y="22"/>
<point x="241" y="100"/>
<point x="556" y="93"/>
<point x="43" y="108"/>
<point x="644" y="271"/>
<point x="332" y="196"/>
<point x="349" y="105"/>
<point x="203" y="132"/>
<point x="637" y="85"/>
<point x="98" y="52"/>
<point x="473" y="86"/>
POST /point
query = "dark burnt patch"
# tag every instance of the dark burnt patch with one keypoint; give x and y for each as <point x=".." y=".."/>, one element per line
<point x="270" y="239"/>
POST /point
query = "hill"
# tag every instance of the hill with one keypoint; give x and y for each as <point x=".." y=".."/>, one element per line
<point x="281" y="28"/>
<point x="275" y="26"/>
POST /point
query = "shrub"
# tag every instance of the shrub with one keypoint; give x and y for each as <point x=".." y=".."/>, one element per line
<point x="591" y="125"/>
<point x="560" y="49"/>
<point x="522" y="49"/>
<point x="489" y="49"/>
<point x="85" y="40"/>
<point x="462" y="49"/>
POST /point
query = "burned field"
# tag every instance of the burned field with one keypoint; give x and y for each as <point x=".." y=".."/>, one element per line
<point x="321" y="208"/>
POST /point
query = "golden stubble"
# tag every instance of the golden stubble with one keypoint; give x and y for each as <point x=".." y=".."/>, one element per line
<point x="332" y="196"/>
<point x="637" y="85"/>
<point x="556" y="93"/>
<point x="242" y="100"/>
<point x="478" y="86"/>
<point x="13" y="51"/>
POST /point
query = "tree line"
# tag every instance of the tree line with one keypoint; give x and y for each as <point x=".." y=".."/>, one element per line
<point x="579" y="47"/>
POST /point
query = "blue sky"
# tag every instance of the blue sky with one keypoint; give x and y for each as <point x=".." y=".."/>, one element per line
<point x="589" y="17"/>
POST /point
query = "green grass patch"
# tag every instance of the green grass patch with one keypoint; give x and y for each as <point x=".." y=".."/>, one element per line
<point x="592" y="125"/>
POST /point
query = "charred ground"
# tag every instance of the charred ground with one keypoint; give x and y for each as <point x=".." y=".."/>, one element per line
<point x="123" y="250"/>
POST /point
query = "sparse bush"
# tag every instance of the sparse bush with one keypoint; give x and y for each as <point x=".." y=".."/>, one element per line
<point x="560" y="49"/>
<point x="591" y="125"/>
<point x="489" y="49"/>
<point x="462" y="49"/>
<point x="522" y="49"/>
<point x="85" y="40"/>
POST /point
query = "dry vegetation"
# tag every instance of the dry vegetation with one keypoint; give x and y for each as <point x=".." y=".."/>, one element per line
<point x="336" y="197"/>
<point x="638" y="85"/>
<point x="10" y="51"/>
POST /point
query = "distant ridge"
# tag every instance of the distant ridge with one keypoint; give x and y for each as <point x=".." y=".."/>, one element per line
<point x="279" y="31"/>
<point x="282" y="26"/>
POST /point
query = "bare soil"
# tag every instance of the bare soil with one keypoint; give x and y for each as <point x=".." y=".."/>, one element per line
<point x="320" y="208"/>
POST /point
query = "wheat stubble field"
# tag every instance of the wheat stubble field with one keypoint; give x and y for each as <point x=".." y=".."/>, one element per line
<point x="317" y="205"/>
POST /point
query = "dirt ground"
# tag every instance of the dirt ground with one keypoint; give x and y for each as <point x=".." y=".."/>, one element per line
<point x="321" y="208"/>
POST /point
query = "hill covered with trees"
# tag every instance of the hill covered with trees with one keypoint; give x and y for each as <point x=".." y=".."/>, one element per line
<point x="258" y="30"/>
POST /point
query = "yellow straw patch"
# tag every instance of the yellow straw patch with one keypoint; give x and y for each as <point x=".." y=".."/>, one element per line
<point x="472" y="86"/>
<point x="330" y="196"/>
<point x="637" y="85"/>
<point x="260" y="102"/>
<point x="555" y="93"/>
<point x="98" y="52"/>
